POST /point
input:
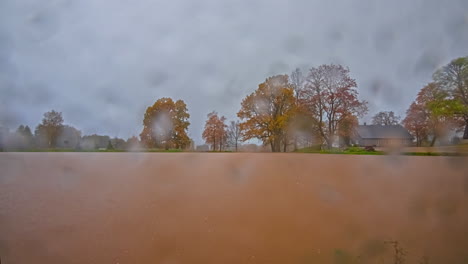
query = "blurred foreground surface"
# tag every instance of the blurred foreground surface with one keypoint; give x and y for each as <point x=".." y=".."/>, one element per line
<point x="231" y="208"/>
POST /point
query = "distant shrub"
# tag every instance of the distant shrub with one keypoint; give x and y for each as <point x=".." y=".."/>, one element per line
<point x="369" y="148"/>
<point x="109" y="146"/>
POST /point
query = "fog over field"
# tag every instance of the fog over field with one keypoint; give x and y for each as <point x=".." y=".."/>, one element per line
<point x="102" y="63"/>
<point x="231" y="208"/>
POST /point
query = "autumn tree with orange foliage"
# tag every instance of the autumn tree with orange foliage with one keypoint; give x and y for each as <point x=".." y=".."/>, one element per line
<point x="165" y="125"/>
<point x="431" y="114"/>
<point x="416" y="122"/>
<point x="433" y="101"/>
<point x="50" y="128"/>
<point x="441" y="105"/>
<point x="265" y="114"/>
<point x="181" y="123"/>
<point x="215" y="133"/>
<point x="302" y="124"/>
<point x="330" y="95"/>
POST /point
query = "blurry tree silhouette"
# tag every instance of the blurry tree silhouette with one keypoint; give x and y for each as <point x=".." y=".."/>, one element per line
<point x="22" y="138"/>
<point x="386" y="118"/>
<point x="437" y="109"/>
<point x="266" y="113"/>
<point x="415" y="122"/>
<point x="432" y="114"/>
<point x="132" y="143"/>
<point x="331" y="96"/>
<point x="4" y="133"/>
<point x="297" y="82"/>
<point x="165" y="125"/>
<point x="50" y="128"/>
<point x="118" y="143"/>
<point x="109" y="146"/>
<point x="297" y="123"/>
<point x="215" y="133"/>
<point x="234" y="134"/>
<point x="69" y="137"/>
<point x="453" y="78"/>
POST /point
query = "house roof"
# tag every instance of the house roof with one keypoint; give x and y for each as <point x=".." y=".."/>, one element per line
<point x="379" y="131"/>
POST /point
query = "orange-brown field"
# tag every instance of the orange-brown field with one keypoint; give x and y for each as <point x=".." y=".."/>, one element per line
<point x="231" y="208"/>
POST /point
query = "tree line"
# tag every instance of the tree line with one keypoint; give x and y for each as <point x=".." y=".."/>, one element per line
<point x="52" y="133"/>
<point x="284" y="112"/>
<point x="322" y="106"/>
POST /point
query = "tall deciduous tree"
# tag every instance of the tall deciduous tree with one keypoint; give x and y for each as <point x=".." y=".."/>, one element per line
<point x="181" y="124"/>
<point x="331" y="96"/>
<point x="432" y="114"/>
<point x="439" y="110"/>
<point x="215" y="133"/>
<point x="453" y="78"/>
<point x="23" y="137"/>
<point x="50" y="128"/>
<point x="416" y="122"/>
<point x="386" y="118"/>
<point x="165" y="125"/>
<point x="234" y="134"/>
<point x="266" y="113"/>
<point x="297" y="82"/>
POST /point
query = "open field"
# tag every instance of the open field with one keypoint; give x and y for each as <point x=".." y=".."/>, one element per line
<point x="231" y="208"/>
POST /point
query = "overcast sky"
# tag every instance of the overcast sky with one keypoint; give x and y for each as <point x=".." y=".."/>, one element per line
<point x="102" y="62"/>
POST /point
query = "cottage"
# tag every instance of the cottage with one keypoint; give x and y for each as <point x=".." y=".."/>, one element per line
<point x="382" y="136"/>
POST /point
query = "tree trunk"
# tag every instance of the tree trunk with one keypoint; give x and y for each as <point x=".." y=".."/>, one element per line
<point x="329" y="143"/>
<point x="276" y="145"/>
<point x="220" y="143"/>
<point x="433" y="141"/>
<point x="465" y="134"/>
<point x="285" y="144"/>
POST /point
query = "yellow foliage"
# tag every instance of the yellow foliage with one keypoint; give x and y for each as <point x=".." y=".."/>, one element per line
<point x="165" y="124"/>
<point x="266" y="112"/>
